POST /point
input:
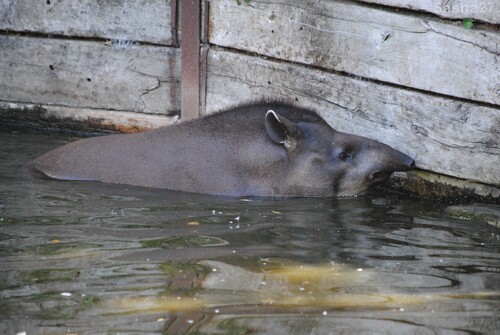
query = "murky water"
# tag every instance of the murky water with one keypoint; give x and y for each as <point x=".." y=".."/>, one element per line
<point x="89" y="258"/>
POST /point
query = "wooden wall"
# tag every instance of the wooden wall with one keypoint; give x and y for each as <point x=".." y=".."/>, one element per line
<point x="427" y="86"/>
<point x="405" y="72"/>
<point x="90" y="59"/>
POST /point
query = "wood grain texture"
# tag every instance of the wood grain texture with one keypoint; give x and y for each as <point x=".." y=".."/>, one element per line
<point x="142" y="79"/>
<point x="365" y="42"/>
<point x="131" y="20"/>
<point x="480" y="10"/>
<point x="81" y="119"/>
<point x="443" y="135"/>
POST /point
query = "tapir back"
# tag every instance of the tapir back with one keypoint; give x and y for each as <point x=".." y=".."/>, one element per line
<point x="220" y="154"/>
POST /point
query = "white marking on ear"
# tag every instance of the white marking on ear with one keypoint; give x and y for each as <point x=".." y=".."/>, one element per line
<point x="275" y="115"/>
<point x="277" y="118"/>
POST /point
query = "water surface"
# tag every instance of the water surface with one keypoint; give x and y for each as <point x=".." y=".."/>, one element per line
<point x="90" y="258"/>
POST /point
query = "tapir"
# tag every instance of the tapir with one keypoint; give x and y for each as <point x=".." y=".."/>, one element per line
<point x="264" y="148"/>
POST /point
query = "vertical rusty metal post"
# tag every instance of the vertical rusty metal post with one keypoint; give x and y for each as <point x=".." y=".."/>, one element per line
<point x="190" y="46"/>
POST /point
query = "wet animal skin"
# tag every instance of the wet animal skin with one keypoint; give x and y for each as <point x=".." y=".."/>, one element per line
<point x="260" y="149"/>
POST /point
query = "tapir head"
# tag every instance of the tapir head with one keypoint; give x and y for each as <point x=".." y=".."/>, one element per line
<point x="325" y="162"/>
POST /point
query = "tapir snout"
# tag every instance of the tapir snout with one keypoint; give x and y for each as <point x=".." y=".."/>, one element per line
<point x="398" y="162"/>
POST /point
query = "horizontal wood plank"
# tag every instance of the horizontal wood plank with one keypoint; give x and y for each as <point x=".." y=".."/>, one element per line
<point x="365" y="42"/>
<point x="480" y="10"/>
<point x="443" y="135"/>
<point x="71" y="118"/>
<point x="141" y="79"/>
<point x="131" y="20"/>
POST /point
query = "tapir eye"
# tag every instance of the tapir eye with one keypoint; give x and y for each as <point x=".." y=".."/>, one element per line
<point x="344" y="156"/>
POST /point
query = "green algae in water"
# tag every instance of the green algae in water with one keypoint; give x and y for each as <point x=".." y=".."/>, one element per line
<point x="184" y="279"/>
<point x="87" y="301"/>
<point x="49" y="249"/>
<point x="185" y="241"/>
<point x="230" y="327"/>
<point x="48" y="275"/>
<point x="60" y="248"/>
<point x="38" y="220"/>
<point x="172" y="269"/>
<point x="55" y="306"/>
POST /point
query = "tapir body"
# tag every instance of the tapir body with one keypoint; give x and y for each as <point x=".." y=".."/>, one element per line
<point x="260" y="149"/>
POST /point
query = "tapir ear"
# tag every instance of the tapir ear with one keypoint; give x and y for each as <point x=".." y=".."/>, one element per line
<point x="281" y="130"/>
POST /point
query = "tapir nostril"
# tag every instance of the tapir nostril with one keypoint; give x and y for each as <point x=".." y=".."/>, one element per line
<point x="407" y="163"/>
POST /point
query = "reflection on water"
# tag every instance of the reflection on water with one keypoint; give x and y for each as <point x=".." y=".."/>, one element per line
<point x="89" y="258"/>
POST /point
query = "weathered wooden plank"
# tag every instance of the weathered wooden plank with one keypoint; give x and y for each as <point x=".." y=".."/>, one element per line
<point x="444" y="135"/>
<point x="366" y="42"/>
<point x="131" y="20"/>
<point x="481" y="10"/>
<point x="142" y="79"/>
<point x="82" y="119"/>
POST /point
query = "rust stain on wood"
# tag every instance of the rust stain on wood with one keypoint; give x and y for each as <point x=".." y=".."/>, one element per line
<point x="190" y="44"/>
